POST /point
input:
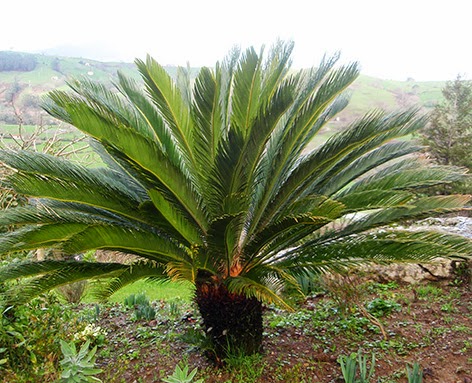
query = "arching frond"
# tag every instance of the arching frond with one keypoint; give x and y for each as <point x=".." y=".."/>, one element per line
<point x="47" y="275"/>
<point x="129" y="274"/>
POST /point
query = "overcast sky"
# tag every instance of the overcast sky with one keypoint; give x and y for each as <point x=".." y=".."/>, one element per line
<point x="394" y="39"/>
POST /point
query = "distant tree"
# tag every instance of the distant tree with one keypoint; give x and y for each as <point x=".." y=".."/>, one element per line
<point x="13" y="61"/>
<point x="56" y="65"/>
<point x="449" y="132"/>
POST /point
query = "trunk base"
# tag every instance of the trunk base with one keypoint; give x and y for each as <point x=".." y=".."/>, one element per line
<point x="232" y="322"/>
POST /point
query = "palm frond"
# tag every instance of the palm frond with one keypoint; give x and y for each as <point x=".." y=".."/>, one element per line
<point x="129" y="274"/>
<point x="368" y="220"/>
<point x="163" y="91"/>
<point x="37" y="237"/>
<point x="377" y="247"/>
<point x="208" y="119"/>
<point x="131" y="240"/>
<point x="25" y="269"/>
<point x="317" y="95"/>
<point x="253" y="289"/>
<point x="49" y="276"/>
<point x="149" y="115"/>
<point x="246" y="91"/>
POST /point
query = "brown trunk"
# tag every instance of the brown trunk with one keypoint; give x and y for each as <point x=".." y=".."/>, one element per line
<point x="232" y="322"/>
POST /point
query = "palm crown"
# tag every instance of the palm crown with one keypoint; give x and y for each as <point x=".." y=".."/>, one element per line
<point x="214" y="181"/>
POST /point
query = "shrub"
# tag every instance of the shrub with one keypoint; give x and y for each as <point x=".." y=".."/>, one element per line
<point x="29" y="334"/>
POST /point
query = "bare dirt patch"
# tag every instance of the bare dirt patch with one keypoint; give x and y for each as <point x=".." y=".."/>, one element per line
<point x="428" y="323"/>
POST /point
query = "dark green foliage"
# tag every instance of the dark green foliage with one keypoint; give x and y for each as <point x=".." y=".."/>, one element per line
<point x="380" y="307"/>
<point x="449" y="132"/>
<point x="30" y="334"/>
<point x="141" y="305"/>
<point x="13" y="61"/>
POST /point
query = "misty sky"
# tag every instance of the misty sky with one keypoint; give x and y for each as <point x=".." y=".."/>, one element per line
<point x="425" y="40"/>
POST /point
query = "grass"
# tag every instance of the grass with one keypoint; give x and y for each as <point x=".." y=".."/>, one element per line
<point x="167" y="291"/>
<point x="367" y="92"/>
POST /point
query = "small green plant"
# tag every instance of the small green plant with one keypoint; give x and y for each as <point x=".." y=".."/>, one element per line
<point x="380" y="307"/>
<point x="351" y="364"/>
<point x="448" y="307"/>
<point x="3" y="360"/>
<point x="429" y="291"/>
<point x="141" y="305"/>
<point x="136" y="300"/>
<point x="78" y="366"/>
<point x="182" y="375"/>
<point x="145" y="312"/>
<point x="414" y="373"/>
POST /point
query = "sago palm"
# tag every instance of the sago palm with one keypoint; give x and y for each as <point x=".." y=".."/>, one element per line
<point x="215" y="181"/>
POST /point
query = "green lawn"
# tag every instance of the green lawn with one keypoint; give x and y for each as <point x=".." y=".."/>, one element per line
<point x="167" y="291"/>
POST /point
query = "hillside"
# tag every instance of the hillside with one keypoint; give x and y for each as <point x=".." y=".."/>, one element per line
<point x="22" y="87"/>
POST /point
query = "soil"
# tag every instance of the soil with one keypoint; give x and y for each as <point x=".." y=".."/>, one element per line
<point x="431" y="324"/>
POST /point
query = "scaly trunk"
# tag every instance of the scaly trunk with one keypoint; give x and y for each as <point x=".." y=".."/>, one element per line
<point x="232" y="322"/>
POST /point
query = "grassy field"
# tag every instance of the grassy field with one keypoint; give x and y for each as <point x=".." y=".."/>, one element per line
<point x="167" y="291"/>
<point x="368" y="93"/>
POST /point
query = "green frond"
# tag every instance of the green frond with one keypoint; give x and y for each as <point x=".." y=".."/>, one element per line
<point x="131" y="240"/>
<point x="253" y="289"/>
<point x="51" y="275"/>
<point x="26" y="269"/>
<point x="170" y="103"/>
<point x="377" y="247"/>
<point x="141" y="154"/>
<point x="280" y="235"/>
<point x="317" y="94"/>
<point x="149" y="115"/>
<point x="42" y="175"/>
<point x="263" y="125"/>
<point x="129" y="274"/>
<point x="176" y="218"/>
<point x="207" y="115"/>
<point x="246" y="91"/>
<point x="39" y="236"/>
<point x="417" y="209"/>
<point x="222" y="239"/>
<point x="366" y="162"/>
<point x="375" y="199"/>
<point x="408" y="174"/>
<point x="340" y="150"/>
<point x="184" y="83"/>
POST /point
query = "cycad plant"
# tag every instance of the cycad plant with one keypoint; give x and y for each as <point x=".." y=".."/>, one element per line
<point x="215" y="181"/>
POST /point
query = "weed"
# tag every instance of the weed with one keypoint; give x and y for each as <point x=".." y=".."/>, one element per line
<point x="248" y="368"/>
<point x="78" y="366"/>
<point x="380" y="307"/>
<point x="182" y="375"/>
<point x="428" y="291"/>
<point x="467" y="346"/>
<point x="414" y="373"/>
<point x="448" y="307"/>
<point x="351" y="364"/>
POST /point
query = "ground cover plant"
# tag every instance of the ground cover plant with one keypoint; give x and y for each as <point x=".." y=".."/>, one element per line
<point x="211" y="182"/>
